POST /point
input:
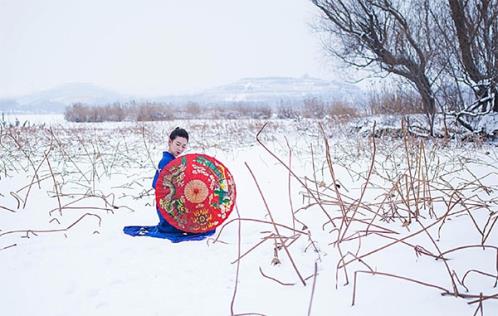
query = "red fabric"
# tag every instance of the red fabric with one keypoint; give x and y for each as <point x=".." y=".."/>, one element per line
<point x="195" y="193"/>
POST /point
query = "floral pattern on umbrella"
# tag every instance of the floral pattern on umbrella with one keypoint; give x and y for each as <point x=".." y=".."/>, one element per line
<point x="195" y="193"/>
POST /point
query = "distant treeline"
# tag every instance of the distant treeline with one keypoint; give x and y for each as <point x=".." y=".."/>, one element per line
<point x="162" y="112"/>
<point x="378" y="103"/>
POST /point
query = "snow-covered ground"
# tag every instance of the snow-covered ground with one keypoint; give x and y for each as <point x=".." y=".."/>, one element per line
<point x="396" y="204"/>
<point x="31" y="119"/>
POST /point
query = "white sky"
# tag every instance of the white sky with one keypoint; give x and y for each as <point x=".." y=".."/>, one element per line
<point x="155" y="47"/>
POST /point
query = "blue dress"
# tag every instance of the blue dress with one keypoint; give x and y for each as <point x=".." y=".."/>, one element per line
<point x="164" y="229"/>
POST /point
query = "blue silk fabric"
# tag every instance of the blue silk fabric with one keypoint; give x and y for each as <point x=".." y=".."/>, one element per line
<point x="164" y="229"/>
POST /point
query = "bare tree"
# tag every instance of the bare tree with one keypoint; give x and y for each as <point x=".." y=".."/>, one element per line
<point x="474" y="37"/>
<point x="392" y="35"/>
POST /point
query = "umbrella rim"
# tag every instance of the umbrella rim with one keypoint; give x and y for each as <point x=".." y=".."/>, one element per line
<point x="163" y="212"/>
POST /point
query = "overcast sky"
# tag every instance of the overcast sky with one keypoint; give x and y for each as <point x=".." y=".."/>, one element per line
<point x="155" y="47"/>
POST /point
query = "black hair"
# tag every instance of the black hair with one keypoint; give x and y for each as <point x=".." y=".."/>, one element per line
<point x="178" y="132"/>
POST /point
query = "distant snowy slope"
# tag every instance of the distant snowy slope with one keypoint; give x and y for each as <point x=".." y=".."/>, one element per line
<point x="272" y="90"/>
<point x="7" y="103"/>
<point x="264" y="90"/>
<point x="56" y="99"/>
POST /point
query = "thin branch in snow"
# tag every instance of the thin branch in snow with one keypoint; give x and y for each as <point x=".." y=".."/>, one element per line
<point x="274" y="279"/>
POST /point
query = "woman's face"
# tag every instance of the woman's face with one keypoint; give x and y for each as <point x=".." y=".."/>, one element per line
<point x="177" y="145"/>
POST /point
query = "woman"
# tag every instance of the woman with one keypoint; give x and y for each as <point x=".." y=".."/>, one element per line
<point x="177" y="143"/>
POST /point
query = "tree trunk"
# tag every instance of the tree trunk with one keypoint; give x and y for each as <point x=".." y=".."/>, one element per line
<point x="429" y="103"/>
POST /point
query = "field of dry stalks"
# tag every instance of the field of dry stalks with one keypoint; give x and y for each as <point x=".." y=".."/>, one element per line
<point x="323" y="221"/>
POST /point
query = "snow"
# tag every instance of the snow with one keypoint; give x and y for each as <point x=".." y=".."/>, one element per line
<point x="30" y="119"/>
<point x="489" y="124"/>
<point x="94" y="269"/>
<point x="392" y="124"/>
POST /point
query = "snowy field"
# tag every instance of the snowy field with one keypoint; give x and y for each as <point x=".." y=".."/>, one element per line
<point x="326" y="223"/>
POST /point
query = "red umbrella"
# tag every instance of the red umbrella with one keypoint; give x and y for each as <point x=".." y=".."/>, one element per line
<point x="195" y="193"/>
